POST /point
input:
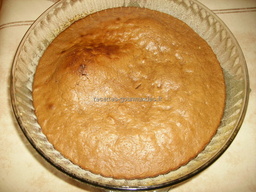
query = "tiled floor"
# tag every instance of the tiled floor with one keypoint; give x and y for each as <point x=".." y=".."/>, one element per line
<point x="22" y="169"/>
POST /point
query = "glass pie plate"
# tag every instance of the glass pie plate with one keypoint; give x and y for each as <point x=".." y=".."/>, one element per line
<point x="61" y="15"/>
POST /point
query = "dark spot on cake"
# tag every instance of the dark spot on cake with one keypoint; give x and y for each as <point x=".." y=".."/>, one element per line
<point x="50" y="106"/>
<point x="107" y="49"/>
<point x="102" y="49"/>
<point x="138" y="86"/>
<point x="82" y="70"/>
<point x="84" y="35"/>
<point x="118" y="19"/>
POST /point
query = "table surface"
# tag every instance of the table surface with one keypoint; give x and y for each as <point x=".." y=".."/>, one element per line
<point x="23" y="169"/>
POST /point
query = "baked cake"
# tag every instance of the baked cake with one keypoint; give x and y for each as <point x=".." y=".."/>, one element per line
<point x="129" y="93"/>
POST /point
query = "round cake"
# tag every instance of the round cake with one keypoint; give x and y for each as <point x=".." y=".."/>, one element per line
<point x="129" y="93"/>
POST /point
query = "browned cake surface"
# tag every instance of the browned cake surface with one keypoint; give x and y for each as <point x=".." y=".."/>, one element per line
<point x="129" y="53"/>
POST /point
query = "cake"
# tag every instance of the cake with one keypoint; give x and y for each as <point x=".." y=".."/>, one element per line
<point x="129" y="93"/>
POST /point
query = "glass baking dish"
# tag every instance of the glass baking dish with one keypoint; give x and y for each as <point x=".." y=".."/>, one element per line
<point x="61" y="15"/>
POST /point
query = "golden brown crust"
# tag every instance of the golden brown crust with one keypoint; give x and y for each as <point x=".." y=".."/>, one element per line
<point x="131" y="53"/>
